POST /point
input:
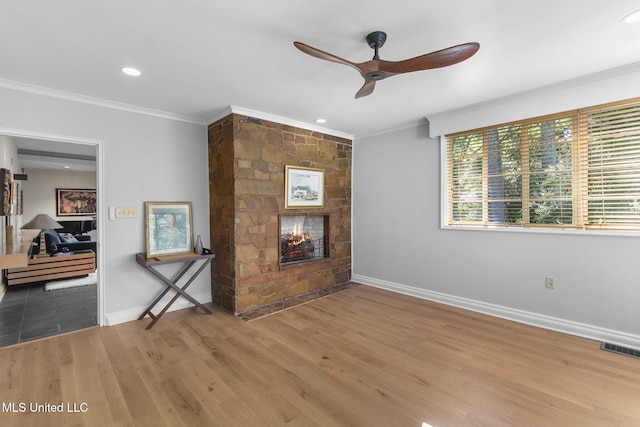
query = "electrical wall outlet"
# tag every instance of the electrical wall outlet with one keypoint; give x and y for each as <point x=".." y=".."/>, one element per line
<point x="126" y="212"/>
<point x="550" y="282"/>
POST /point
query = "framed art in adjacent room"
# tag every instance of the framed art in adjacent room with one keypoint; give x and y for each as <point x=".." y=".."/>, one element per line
<point x="304" y="187"/>
<point x="75" y="202"/>
<point x="168" y="228"/>
<point x="5" y="185"/>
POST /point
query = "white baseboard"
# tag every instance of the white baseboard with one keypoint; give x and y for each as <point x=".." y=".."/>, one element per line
<point x="133" y="313"/>
<point x="534" y="319"/>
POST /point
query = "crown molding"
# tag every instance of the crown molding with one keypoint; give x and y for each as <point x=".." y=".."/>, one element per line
<point x="68" y="96"/>
<point x="221" y="115"/>
<point x="408" y="125"/>
<point x="282" y="120"/>
<point x="554" y="87"/>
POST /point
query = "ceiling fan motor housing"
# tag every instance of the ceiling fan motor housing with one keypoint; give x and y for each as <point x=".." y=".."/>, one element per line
<point x="376" y="39"/>
<point x="375" y="75"/>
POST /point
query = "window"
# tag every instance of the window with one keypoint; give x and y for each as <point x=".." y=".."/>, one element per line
<point x="578" y="169"/>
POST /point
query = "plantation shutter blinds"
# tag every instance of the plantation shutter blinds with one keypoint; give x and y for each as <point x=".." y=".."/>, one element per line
<point x="611" y="156"/>
<point x="575" y="169"/>
<point x="465" y="166"/>
<point x="551" y="171"/>
<point x="503" y="171"/>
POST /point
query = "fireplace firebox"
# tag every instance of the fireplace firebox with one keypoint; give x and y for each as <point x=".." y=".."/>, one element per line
<point x="303" y="238"/>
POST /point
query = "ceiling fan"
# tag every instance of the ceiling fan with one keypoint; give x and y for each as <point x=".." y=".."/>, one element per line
<point x="378" y="69"/>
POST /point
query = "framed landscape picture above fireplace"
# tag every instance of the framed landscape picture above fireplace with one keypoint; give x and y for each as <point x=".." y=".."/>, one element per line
<point x="304" y="187"/>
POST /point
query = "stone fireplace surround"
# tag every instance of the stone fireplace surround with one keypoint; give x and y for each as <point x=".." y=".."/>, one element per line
<point x="247" y="159"/>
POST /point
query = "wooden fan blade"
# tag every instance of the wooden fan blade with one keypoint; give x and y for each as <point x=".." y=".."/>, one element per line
<point x="377" y="69"/>
<point x="309" y="50"/>
<point x="366" y="89"/>
<point x="441" y="58"/>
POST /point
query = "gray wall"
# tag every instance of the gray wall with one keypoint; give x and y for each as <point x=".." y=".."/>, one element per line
<point x="145" y="158"/>
<point x="40" y="191"/>
<point x="399" y="244"/>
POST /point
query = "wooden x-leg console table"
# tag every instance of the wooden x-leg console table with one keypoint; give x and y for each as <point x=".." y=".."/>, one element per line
<point x="189" y="260"/>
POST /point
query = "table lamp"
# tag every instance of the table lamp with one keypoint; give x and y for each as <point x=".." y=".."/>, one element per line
<point x="42" y="222"/>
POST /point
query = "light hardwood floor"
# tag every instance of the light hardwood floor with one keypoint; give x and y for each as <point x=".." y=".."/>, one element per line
<point x="362" y="357"/>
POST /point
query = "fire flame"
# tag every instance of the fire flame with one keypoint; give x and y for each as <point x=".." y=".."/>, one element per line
<point x="297" y="236"/>
<point x="297" y="245"/>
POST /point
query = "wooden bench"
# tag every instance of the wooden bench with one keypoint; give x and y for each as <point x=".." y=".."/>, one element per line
<point x="78" y="263"/>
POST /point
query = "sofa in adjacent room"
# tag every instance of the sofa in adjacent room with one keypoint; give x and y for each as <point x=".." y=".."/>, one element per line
<point x="56" y="242"/>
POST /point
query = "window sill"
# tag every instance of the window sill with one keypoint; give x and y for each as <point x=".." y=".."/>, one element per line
<point x="542" y="230"/>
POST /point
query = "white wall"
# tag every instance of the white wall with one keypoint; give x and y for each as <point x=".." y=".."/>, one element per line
<point x="400" y="245"/>
<point x="40" y="191"/>
<point x="8" y="160"/>
<point x="145" y="158"/>
<point x="9" y="154"/>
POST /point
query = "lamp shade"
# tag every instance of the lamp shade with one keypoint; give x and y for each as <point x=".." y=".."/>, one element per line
<point x="42" y="222"/>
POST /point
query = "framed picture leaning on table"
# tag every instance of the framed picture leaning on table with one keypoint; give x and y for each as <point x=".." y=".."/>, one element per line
<point x="168" y="228"/>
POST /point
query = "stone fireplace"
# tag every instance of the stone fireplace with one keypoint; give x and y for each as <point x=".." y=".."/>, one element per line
<point x="250" y="224"/>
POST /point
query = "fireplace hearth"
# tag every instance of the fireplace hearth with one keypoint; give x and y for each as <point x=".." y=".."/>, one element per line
<point x="302" y="238"/>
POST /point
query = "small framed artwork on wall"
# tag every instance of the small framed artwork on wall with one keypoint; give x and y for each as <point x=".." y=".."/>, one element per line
<point x="5" y="183"/>
<point x="74" y="202"/>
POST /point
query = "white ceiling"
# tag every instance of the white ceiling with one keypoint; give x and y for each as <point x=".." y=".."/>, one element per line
<point x="198" y="57"/>
<point x="55" y="155"/>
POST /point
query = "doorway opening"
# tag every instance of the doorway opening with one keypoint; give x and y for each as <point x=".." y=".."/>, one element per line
<point x="46" y="164"/>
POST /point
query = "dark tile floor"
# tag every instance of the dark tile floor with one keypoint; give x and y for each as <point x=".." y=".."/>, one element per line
<point x="30" y="312"/>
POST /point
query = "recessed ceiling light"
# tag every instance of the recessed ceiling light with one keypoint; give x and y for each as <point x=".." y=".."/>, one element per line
<point x="632" y="17"/>
<point x="67" y="167"/>
<point x="321" y="120"/>
<point x="130" y="71"/>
